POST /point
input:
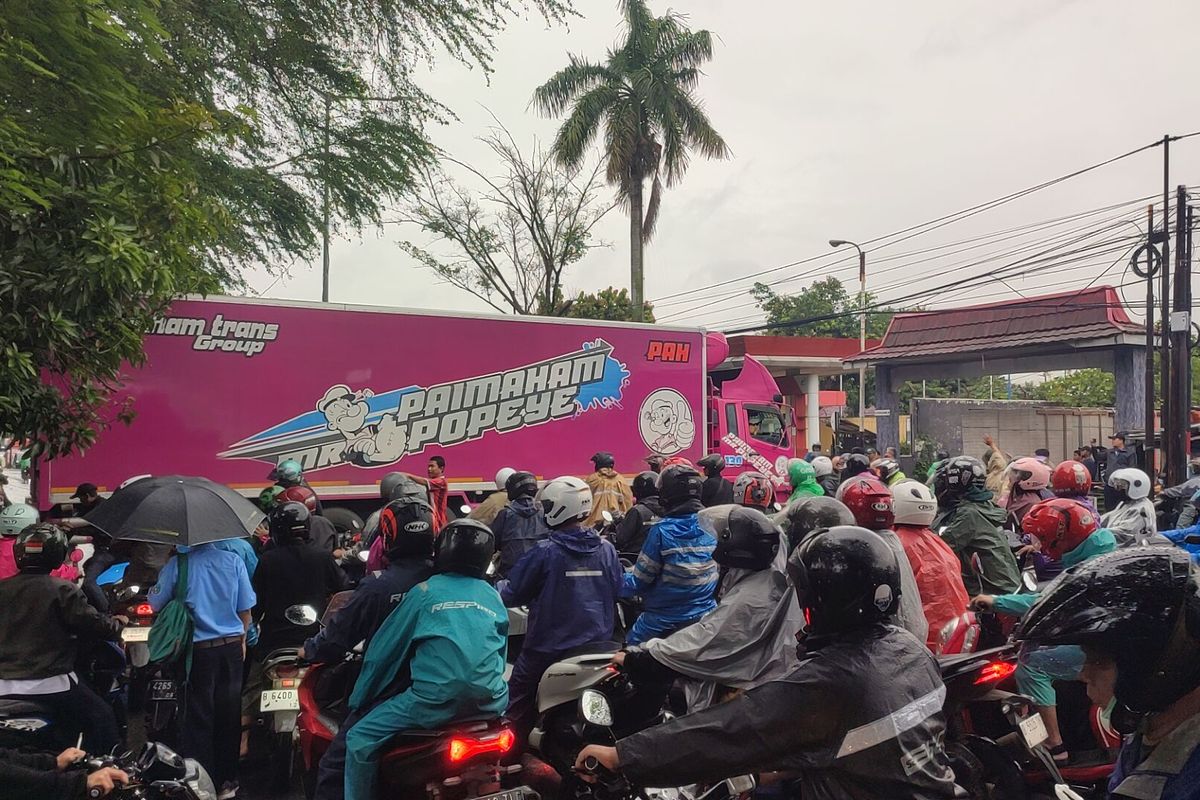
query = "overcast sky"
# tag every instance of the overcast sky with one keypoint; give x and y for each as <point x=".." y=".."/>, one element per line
<point x="847" y="120"/>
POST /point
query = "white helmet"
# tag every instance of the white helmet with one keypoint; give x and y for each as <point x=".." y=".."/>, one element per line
<point x="822" y="465"/>
<point x="565" y="499"/>
<point x="16" y="518"/>
<point x="503" y="475"/>
<point x="913" y="504"/>
<point x="1131" y="482"/>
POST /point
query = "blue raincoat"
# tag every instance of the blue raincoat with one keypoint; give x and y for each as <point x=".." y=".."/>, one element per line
<point x="449" y="638"/>
<point x="676" y="577"/>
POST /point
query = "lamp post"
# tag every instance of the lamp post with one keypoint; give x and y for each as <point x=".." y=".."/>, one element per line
<point x="862" y="331"/>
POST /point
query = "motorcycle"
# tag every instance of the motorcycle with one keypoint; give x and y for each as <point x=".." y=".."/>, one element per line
<point x="583" y="699"/>
<point x="989" y="729"/>
<point x="468" y="759"/>
<point x="606" y="785"/>
<point x="279" y="706"/>
<point x="156" y="772"/>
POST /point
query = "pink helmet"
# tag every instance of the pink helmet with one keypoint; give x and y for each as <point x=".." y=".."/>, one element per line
<point x="1029" y="474"/>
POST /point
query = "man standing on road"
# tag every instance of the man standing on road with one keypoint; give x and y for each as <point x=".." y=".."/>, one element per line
<point x="219" y="596"/>
<point x="1117" y="457"/>
<point x="438" y="487"/>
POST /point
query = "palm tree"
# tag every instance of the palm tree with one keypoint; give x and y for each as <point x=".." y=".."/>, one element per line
<point x="643" y="96"/>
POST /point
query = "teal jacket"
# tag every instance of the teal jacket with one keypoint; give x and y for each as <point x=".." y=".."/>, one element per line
<point x="450" y="634"/>
<point x="1099" y="543"/>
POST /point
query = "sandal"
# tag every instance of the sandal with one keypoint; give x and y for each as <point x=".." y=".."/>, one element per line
<point x="1059" y="754"/>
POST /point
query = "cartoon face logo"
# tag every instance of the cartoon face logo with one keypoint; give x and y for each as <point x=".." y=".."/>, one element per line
<point x="665" y="422"/>
<point x="345" y="411"/>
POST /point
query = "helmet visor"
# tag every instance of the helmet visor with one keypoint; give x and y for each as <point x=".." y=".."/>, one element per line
<point x="1121" y="485"/>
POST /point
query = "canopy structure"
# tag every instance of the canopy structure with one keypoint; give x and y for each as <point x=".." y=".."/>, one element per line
<point x="1068" y="330"/>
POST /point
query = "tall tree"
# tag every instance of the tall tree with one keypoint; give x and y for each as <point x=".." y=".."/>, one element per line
<point x="510" y="243"/>
<point x="151" y="148"/>
<point x="643" y="97"/>
<point x="824" y="308"/>
<point x="610" y="304"/>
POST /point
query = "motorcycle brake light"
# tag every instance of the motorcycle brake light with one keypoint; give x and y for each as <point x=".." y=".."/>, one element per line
<point x="289" y="683"/>
<point x="465" y="747"/>
<point x="995" y="672"/>
<point x="143" y="610"/>
<point x="286" y="670"/>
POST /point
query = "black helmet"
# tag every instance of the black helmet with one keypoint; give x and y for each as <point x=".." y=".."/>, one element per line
<point x="845" y="577"/>
<point x="344" y="520"/>
<point x="645" y="485"/>
<point x="745" y="537"/>
<point x="1140" y="606"/>
<point x="389" y="483"/>
<point x="815" y="513"/>
<point x="603" y="459"/>
<point x="406" y="526"/>
<point x="955" y="477"/>
<point x="521" y="484"/>
<point x="465" y="546"/>
<point x="40" y="548"/>
<point x="712" y="464"/>
<point x="289" y="522"/>
<point x="679" y="483"/>
<point x="856" y="464"/>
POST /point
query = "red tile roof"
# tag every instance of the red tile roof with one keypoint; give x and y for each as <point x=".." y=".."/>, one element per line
<point x="1066" y="317"/>
<point x="801" y="346"/>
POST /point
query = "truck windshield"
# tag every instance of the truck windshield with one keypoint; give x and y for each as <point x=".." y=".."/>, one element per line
<point x="767" y="424"/>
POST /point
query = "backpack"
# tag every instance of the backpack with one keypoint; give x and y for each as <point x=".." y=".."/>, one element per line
<point x="171" y="636"/>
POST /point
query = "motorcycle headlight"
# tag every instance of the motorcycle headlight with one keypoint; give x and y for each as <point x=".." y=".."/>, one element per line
<point x="198" y="782"/>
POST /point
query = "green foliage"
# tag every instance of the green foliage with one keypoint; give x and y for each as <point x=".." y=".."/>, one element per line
<point x="152" y="148"/>
<point x="643" y="99"/>
<point x="509" y="244"/>
<point x="610" y="304"/>
<point x="833" y="311"/>
<point x="1086" y="388"/>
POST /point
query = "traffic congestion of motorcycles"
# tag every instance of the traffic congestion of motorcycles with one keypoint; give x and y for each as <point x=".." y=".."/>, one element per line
<point x="994" y="627"/>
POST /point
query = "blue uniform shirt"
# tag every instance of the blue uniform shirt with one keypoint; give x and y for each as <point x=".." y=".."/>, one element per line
<point x="218" y="588"/>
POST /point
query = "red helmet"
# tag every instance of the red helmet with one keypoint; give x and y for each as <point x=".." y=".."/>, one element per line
<point x="1071" y="479"/>
<point x="869" y="501"/>
<point x="299" y="494"/>
<point x="674" y="461"/>
<point x="1060" y="525"/>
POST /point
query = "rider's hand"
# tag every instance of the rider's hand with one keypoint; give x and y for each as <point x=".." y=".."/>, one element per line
<point x="607" y="756"/>
<point x="68" y="757"/>
<point x="619" y="658"/>
<point x="106" y="780"/>
<point x="121" y="618"/>
<point x="983" y="602"/>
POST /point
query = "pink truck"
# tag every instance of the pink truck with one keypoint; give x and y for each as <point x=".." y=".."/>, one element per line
<point x="232" y="386"/>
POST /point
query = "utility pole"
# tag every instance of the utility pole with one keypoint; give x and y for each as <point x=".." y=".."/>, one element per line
<point x="1164" y="360"/>
<point x="1151" y="271"/>
<point x="1180" y="331"/>
<point x="325" y="208"/>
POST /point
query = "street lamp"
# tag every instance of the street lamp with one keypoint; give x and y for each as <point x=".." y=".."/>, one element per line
<point x="862" y="330"/>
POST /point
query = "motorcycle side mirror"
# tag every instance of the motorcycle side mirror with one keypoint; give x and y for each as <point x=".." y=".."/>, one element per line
<point x="300" y="615"/>
<point x="594" y="708"/>
<point x="976" y="564"/>
<point x="608" y="517"/>
<point x="1029" y="581"/>
<point x="363" y="555"/>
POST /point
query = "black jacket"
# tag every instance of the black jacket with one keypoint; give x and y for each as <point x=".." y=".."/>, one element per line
<point x="35" y="776"/>
<point x="294" y="574"/>
<point x="41" y="619"/>
<point x="631" y="533"/>
<point x="373" y="600"/>
<point x="829" y="484"/>
<point x="834" y="720"/>
<point x="716" y="491"/>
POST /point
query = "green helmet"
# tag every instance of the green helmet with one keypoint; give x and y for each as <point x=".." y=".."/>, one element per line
<point x="288" y="472"/>
<point x="800" y="471"/>
<point x="268" y="496"/>
<point x="16" y="518"/>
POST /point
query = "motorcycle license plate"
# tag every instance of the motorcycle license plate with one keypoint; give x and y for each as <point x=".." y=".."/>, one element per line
<point x="162" y="690"/>
<point x="519" y="793"/>
<point x="135" y="635"/>
<point x="1033" y="730"/>
<point x="280" y="700"/>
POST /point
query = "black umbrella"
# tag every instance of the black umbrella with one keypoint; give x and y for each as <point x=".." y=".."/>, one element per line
<point x="175" y="509"/>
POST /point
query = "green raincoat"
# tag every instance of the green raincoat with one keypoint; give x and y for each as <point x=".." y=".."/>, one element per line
<point x="971" y="527"/>
<point x="803" y="480"/>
